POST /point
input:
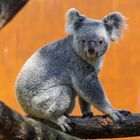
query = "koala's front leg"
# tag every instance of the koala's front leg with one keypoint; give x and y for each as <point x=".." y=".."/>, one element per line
<point x="85" y="108"/>
<point x="90" y="89"/>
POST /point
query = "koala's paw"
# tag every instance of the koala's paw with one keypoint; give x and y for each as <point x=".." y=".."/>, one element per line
<point x="65" y="123"/>
<point x="117" y="116"/>
<point x="88" y="115"/>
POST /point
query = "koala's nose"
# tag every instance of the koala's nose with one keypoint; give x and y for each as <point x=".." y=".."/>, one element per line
<point x="91" y="50"/>
<point x="92" y="47"/>
<point x="91" y="43"/>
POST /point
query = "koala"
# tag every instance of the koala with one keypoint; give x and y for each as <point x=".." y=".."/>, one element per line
<point x="55" y="74"/>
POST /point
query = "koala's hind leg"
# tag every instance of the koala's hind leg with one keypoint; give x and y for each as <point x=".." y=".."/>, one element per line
<point x="85" y="108"/>
<point x="53" y="104"/>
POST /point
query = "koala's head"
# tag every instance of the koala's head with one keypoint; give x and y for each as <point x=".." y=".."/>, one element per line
<point x="91" y="38"/>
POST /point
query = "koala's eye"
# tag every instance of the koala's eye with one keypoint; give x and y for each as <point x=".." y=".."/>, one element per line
<point x="101" y="41"/>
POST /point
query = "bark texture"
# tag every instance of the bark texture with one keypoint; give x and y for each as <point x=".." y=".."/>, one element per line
<point x="8" y="9"/>
<point x="18" y="127"/>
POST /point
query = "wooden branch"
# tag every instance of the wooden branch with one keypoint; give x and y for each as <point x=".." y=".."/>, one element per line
<point x="15" y="126"/>
<point x="8" y="9"/>
<point x="104" y="127"/>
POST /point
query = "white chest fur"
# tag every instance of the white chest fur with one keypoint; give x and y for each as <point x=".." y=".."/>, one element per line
<point x="97" y="63"/>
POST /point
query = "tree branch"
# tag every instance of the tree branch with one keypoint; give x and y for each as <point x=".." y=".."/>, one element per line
<point x="104" y="127"/>
<point x="8" y="9"/>
<point x="15" y="126"/>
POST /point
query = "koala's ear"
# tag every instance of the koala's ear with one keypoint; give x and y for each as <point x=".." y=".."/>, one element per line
<point x="115" y="23"/>
<point x="74" y="20"/>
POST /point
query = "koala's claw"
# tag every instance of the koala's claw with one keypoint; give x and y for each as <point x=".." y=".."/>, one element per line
<point x="118" y="117"/>
<point x="71" y="124"/>
<point x="64" y="123"/>
<point x="88" y="114"/>
<point x="125" y="112"/>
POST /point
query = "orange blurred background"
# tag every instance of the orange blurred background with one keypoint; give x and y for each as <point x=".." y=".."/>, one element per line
<point x="42" y="21"/>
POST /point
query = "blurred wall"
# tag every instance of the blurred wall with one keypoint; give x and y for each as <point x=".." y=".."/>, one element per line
<point x="42" y="21"/>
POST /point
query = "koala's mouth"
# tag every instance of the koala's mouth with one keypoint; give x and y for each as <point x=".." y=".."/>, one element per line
<point x="91" y="54"/>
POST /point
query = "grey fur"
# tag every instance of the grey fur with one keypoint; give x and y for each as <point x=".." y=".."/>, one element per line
<point x="50" y="80"/>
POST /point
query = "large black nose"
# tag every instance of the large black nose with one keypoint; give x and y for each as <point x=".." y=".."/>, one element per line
<point x="92" y="47"/>
<point x="91" y="50"/>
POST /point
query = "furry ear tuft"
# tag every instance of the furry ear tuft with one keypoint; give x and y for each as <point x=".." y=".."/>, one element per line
<point x="115" y="23"/>
<point x="74" y="20"/>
